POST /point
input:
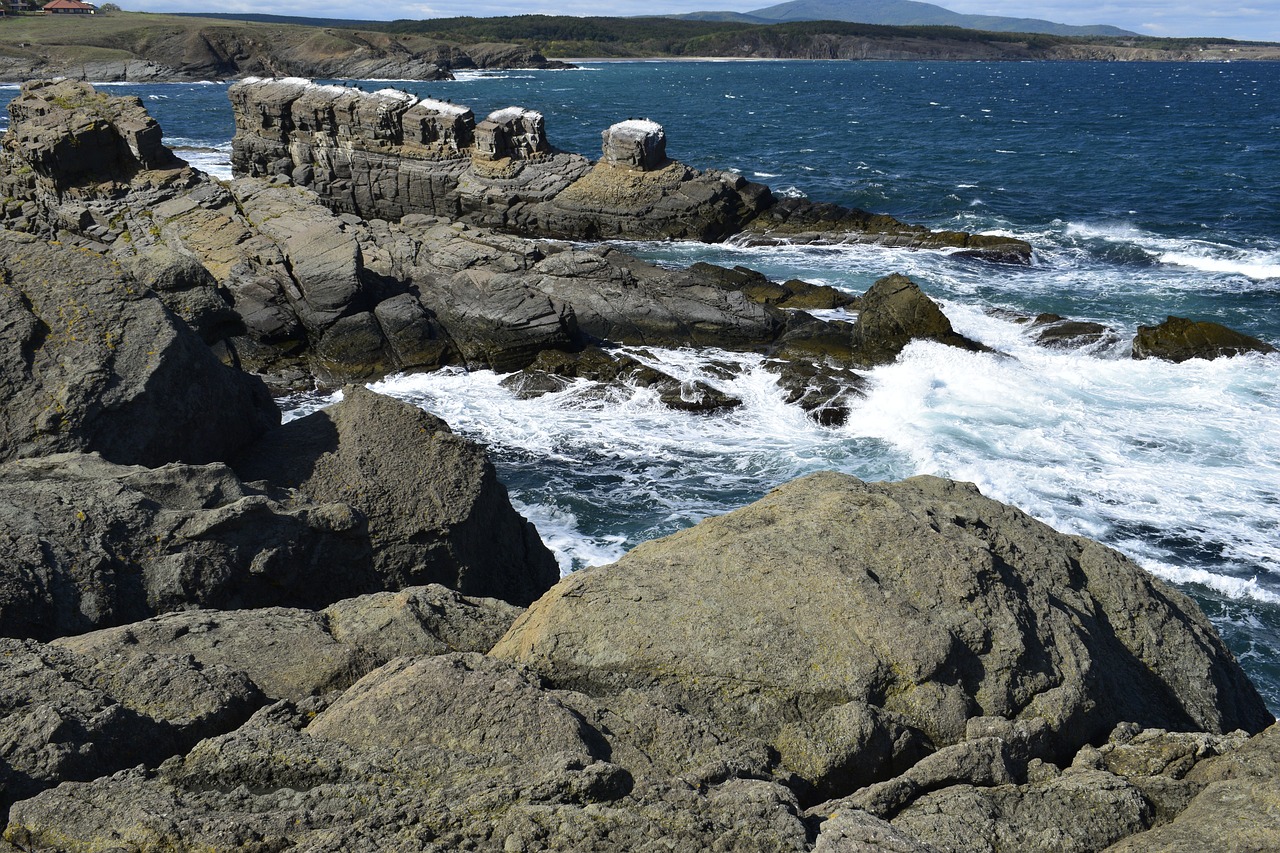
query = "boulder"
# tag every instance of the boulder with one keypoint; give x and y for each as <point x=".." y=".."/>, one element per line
<point x="66" y="717"/>
<point x="433" y="507"/>
<point x="89" y="544"/>
<point x="1179" y="339"/>
<point x="894" y="312"/>
<point x="790" y="613"/>
<point x="93" y="361"/>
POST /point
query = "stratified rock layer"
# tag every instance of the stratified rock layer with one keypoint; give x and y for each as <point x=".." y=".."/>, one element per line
<point x="368" y="154"/>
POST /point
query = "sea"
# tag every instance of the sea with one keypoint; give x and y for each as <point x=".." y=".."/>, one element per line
<point x="1147" y="190"/>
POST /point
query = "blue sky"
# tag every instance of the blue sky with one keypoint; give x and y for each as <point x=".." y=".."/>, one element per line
<point x="1256" y="21"/>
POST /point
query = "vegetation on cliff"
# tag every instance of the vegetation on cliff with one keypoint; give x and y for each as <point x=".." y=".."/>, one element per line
<point x="142" y="46"/>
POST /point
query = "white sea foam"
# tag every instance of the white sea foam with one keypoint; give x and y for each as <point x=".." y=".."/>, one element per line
<point x="1261" y="267"/>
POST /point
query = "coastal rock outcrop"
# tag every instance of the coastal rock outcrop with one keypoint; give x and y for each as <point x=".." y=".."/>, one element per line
<point x="93" y="361"/>
<point x="1179" y="339"/>
<point x="798" y="220"/>
<point x="383" y="160"/>
<point x="759" y="621"/>
<point x="337" y="297"/>
<point x="430" y="501"/>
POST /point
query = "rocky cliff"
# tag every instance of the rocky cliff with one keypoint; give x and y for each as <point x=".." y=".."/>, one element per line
<point x="386" y="154"/>
<point x="125" y="46"/>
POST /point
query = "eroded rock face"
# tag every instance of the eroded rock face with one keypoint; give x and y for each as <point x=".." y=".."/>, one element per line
<point x="92" y="361"/>
<point x="431" y="502"/>
<point x="91" y="544"/>
<point x="785" y="620"/>
<point x="1179" y="339"/>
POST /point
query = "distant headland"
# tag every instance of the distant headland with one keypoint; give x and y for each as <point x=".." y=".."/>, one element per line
<point x="143" y="47"/>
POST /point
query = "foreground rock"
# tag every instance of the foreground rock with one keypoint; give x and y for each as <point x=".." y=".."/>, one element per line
<point x="700" y="692"/>
<point x="839" y="695"/>
<point x="91" y="360"/>
<point x="1179" y="339"/>
<point x="370" y="495"/>
<point x="431" y="502"/>
<point x="69" y="717"/>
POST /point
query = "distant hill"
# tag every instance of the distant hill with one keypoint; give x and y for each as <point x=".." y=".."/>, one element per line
<point x="902" y="13"/>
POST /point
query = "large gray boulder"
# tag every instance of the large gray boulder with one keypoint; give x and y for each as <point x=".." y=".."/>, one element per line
<point x="434" y="509"/>
<point x="785" y="620"/>
<point x="93" y="361"/>
<point x="90" y="544"/>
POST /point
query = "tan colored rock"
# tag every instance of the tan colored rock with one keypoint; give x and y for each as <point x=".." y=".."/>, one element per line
<point x="921" y="598"/>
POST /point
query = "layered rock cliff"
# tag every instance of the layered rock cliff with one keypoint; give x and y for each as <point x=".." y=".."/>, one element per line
<point x="386" y="154"/>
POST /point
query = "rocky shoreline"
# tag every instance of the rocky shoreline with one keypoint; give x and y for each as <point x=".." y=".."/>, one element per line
<point x="224" y="633"/>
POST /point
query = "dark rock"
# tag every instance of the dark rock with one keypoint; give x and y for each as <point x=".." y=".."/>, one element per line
<point x="1056" y="332"/>
<point x="796" y="575"/>
<point x="90" y="544"/>
<point x="790" y="294"/>
<point x="553" y="371"/>
<point x="93" y="361"/>
<point x="794" y="220"/>
<point x="434" y="509"/>
<point x="1179" y="339"/>
<point x="894" y="312"/>
<point x="67" y="717"/>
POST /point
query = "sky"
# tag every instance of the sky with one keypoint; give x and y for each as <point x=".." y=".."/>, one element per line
<point x="1250" y="21"/>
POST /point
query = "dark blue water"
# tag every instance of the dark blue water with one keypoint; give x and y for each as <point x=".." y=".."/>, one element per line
<point x="1147" y="189"/>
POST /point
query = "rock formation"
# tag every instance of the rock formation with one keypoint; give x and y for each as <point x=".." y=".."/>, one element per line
<point x="783" y="621"/>
<point x="512" y="178"/>
<point x="698" y="694"/>
<point x="1180" y="339"/>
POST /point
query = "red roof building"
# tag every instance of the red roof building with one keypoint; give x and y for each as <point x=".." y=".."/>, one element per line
<point x="69" y="7"/>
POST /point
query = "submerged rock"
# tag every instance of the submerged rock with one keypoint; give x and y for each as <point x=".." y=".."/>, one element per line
<point x="784" y="620"/>
<point x="1179" y="339"/>
<point x="554" y="371"/>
